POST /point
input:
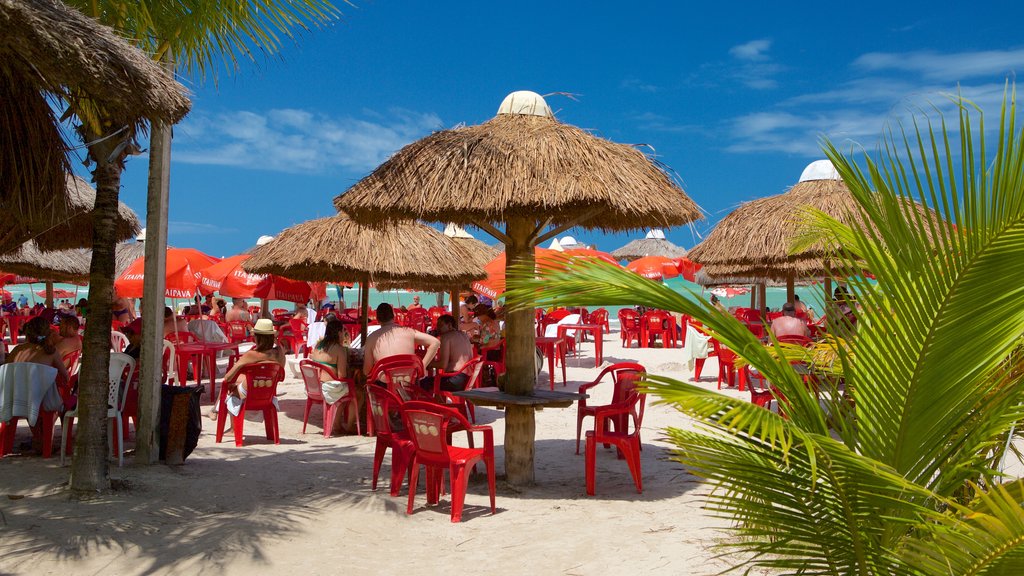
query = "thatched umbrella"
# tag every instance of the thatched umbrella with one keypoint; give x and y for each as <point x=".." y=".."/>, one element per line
<point x="127" y="252"/>
<point x="74" y="228"/>
<point x="755" y="239"/>
<point x="70" y="265"/>
<point x="334" y="249"/>
<point x="528" y="171"/>
<point x="48" y="47"/>
<point x="56" y="265"/>
<point x="653" y="244"/>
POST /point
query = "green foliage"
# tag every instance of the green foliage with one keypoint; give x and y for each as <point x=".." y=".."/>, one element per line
<point x="906" y="484"/>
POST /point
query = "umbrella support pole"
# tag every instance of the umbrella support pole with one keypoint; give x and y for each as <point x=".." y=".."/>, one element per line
<point x="453" y="297"/>
<point x="49" y="294"/>
<point x="364" y="305"/>
<point x="762" y="296"/>
<point x="790" y="290"/>
<point x="520" y="346"/>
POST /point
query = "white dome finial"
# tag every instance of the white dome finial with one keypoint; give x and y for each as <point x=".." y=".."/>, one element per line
<point x="263" y="240"/>
<point x="525" y="102"/>
<point x="819" y="170"/>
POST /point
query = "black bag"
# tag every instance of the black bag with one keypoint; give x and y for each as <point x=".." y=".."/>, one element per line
<point x="189" y="423"/>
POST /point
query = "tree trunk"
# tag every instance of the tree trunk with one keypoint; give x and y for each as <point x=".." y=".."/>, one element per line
<point x="147" y="441"/>
<point x="520" y="362"/>
<point x="89" y="465"/>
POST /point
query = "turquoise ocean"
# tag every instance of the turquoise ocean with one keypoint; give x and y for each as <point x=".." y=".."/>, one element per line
<point x="776" y="296"/>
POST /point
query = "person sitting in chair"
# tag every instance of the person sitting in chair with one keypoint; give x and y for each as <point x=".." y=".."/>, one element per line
<point x="788" y="324"/>
<point x="392" y="340"/>
<point x="455" y="352"/>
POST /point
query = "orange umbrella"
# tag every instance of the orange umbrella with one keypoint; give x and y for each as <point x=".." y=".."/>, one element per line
<point x="228" y="278"/>
<point x="687" y="268"/>
<point x="654" y="267"/>
<point x="181" y="282"/>
<point x="494" y="285"/>
<point x="6" y="278"/>
<point x="277" y="288"/>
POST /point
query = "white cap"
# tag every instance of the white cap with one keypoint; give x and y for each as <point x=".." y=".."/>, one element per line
<point x="453" y="230"/>
<point x="525" y="102"/>
<point x="263" y="240"/>
<point x="655" y="234"/>
<point x="819" y="170"/>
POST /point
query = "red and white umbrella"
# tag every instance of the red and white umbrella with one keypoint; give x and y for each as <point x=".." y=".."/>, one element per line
<point x="229" y="279"/>
<point x="730" y="291"/>
<point x="180" y="274"/>
<point x="58" y="293"/>
<point x="687" y="268"/>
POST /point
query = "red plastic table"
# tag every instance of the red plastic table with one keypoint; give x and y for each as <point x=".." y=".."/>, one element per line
<point x="550" y="347"/>
<point x="208" y="350"/>
<point x="598" y="332"/>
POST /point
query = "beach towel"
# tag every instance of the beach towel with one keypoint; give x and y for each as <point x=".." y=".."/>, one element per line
<point x="25" y="389"/>
<point x="696" y="346"/>
<point x="333" y="390"/>
<point x="207" y="331"/>
<point x="315" y="333"/>
<point x="551" y="330"/>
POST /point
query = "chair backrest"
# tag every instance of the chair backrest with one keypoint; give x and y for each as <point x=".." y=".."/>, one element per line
<point x="118" y="341"/>
<point x="382" y="405"/>
<point x="278" y="311"/>
<point x="629" y="392"/>
<point x="299" y="326"/>
<point x="71" y="361"/>
<point x="656" y="319"/>
<point x="401" y="373"/>
<point x="170" y="364"/>
<point x="624" y="378"/>
<point x="262" y="379"/>
<point x="599" y="316"/>
<point x="427" y="425"/>
<point x="773" y="315"/>
<point x="311" y="378"/>
<point x="238" y="331"/>
<point x="122" y="368"/>
<point x="401" y="317"/>
<point x="180" y="337"/>
<point x="418" y="319"/>
<point x="472" y="370"/>
<point x="795" y="339"/>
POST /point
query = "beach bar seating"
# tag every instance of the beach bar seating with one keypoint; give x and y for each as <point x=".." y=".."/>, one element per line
<point x="612" y="427"/>
<point x="385" y="408"/>
<point x="622" y="376"/>
<point x="312" y="373"/>
<point x="261" y="390"/>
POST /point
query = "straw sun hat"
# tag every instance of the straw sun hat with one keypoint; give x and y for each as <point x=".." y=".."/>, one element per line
<point x="264" y="326"/>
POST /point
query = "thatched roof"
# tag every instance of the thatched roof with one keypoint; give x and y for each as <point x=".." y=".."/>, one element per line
<point x="59" y="265"/>
<point x="648" y="247"/>
<point x="738" y="275"/>
<point x="55" y="48"/>
<point x="397" y="254"/>
<point x="125" y="253"/>
<point x="48" y="48"/>
<point x="481" y="250"/>
<point x="73" y="229"/>
<point x="520" y="165"/>
<point x="755" y="239"/>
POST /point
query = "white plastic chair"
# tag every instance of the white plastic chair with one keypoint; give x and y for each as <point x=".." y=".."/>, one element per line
<point x="173" y="373"/>
<point x="118" y="341"/>
<point x="122" y="368"/>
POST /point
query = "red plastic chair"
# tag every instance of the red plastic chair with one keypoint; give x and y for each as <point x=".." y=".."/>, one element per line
<point x="384" y="405"/>
<point x="400" y="374"/>
<point x="418" y="319"/>
<point x="254" y="311"/>
<point x="629" y="327"/>
<point x="181" y="337"/>
<point x="429" y="427"/>
<point x="795" y="339"/>
<point x="278" y="311"/>
<point x="624" y="376"/>
<point x="496" y="360"/>
<point x="629" y="409"/>
<point x="261" y="387"/>
<point x="401" y="317"/>
<point x="45" y="420"/>
<point x="472" y="372"/>
<point x="312" y="378"/>
<point x="295" y="336"/>
<point x="238" y="331"/>
<point x="726" y="366"/>
<point x="600" y="317"/>
<point x="658" y="324"/>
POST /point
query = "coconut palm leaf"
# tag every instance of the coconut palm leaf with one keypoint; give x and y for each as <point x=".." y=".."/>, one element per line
<point x="903" y="481"/>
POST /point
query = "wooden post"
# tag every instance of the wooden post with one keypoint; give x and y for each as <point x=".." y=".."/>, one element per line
<point x="753" y="297"/>
<point x="520" y="359"/>
<point x="147" y="443"/>
<point x="364" y="305"/>
<point x="790" y="289"/>
<point x="762" y="295"/>
<point x="453" y="296"/>
<point x="49" y="294"/>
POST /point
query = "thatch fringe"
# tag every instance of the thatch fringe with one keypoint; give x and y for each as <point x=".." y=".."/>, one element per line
<point x="74" y="228"/>
<point x="648" y="247"/>
<point x="520" y="166"/>
<point x="398" y="254"/>
<point x="57" y="266"/>
<point x="55" y="48"/>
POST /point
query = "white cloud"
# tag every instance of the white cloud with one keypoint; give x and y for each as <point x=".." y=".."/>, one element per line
<point x="291" y="140"/>
<point x="633" y="83"/>
<point x="884" y="90"/>
<point x="949" y="67"/>
<point x="754" y="68"/>
<point x="755" y="50"/>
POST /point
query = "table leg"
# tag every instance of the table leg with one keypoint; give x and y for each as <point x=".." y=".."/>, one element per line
<point x="563" y="347"/>
<point x="551" y="364"/>
<point x="598" y="347"/>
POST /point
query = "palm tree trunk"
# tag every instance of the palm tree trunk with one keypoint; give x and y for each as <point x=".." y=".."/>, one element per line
<point x="89" y="466"/>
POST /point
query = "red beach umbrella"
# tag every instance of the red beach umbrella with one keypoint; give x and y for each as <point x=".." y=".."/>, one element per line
<point x="57" y="293"/>
<point x="730" y="291"/>
<point x="654" y="267"/>
<point x="181" y="282"/>
<point x="229" y="279"/>
<point x="494" y="285"/>
<point x="591" y="253"/>
<point x="687" y="268"/>
<point x="277" y="288"/>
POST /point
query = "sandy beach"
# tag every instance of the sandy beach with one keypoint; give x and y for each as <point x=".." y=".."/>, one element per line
<point x="306" y="505"/>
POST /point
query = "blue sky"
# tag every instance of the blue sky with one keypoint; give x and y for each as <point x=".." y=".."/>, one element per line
<point x="732" y="97"/>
